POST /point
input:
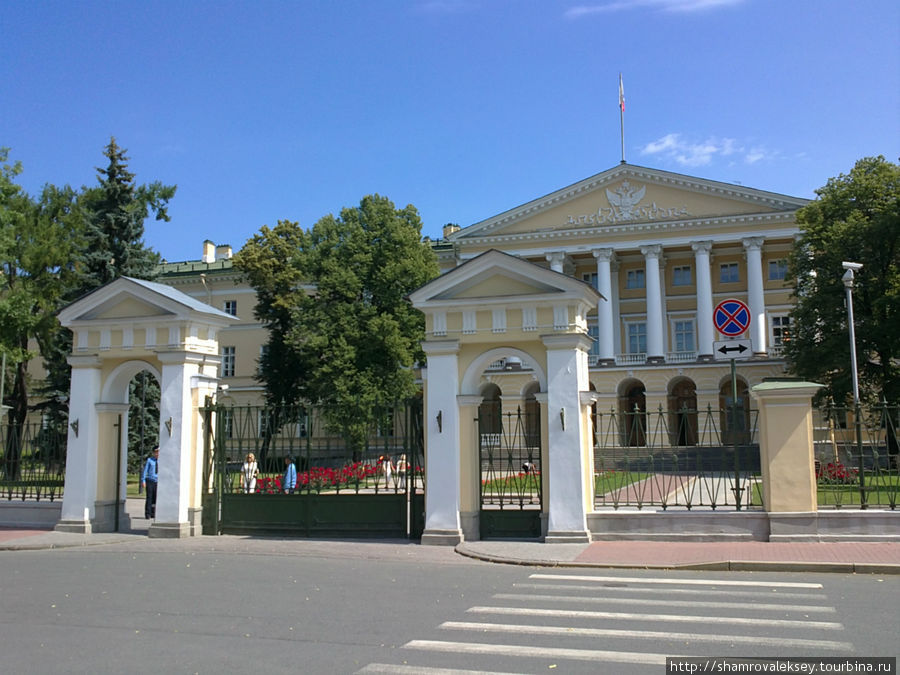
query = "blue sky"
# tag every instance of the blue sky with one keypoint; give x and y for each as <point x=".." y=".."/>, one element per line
<point x="261" y="111"/>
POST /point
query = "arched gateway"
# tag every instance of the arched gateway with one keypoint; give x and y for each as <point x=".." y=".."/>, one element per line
<point x="494" y="307"/>
<point x="118" y="330"/>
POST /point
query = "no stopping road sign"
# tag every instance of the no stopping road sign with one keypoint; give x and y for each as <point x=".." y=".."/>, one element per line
<point x="731" y="317"/>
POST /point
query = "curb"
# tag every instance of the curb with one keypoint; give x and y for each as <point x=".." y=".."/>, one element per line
<point x="721" y="566"/>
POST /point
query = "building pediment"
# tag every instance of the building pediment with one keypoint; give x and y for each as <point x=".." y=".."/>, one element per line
<point x="127" y="300"/>
<point x="496" y="277"/>
<point x="629" y="195"/>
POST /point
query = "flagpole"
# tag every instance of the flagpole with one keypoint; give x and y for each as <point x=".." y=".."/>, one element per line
<point x="622" y="115"/>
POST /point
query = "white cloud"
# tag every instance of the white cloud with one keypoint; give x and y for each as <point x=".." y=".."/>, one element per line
<point x="672" y="6"/>
<point x="700" y="153"/>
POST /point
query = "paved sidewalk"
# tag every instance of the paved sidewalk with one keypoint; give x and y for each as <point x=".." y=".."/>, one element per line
<point x="848" y="557"/>
<point x="861" y="557"/>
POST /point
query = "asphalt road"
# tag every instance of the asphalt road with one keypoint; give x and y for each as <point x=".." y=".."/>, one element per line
<point x="342" y="607"/>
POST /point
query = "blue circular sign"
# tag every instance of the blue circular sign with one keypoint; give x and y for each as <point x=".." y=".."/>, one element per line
<point x="732" y="317"/>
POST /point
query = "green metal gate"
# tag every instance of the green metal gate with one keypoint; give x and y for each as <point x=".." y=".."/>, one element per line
<point x="371" y="488"/>
<point x="510" y="459"/>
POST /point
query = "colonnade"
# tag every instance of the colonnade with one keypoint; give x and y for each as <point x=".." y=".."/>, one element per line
<point x="654" y="265"/>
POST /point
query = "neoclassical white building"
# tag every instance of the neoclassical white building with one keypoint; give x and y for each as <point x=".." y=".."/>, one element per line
<point x="663" y="249"/>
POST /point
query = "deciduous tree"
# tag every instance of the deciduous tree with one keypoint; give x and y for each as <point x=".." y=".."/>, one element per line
<point x="856" y="217"/>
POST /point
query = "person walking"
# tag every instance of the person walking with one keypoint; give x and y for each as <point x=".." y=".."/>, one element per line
<point x="289" y="481"/>
<point x="149" y="481"/>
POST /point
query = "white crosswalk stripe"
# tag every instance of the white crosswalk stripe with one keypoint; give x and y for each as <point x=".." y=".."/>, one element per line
<point x="668" y="618"/>
<point x="692" y="604"/>
<point x="707" y="592"/>
<point x="679" y="582"/>
<point x="556" y="624"/>
<point x="765" y="641"/>
<point x="528" y="651"/>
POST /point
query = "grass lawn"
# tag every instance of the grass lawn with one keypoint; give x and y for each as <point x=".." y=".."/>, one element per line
<point x="881" y="490"/>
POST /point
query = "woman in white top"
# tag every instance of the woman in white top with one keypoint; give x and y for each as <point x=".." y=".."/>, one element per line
<point x="249" y="473"/>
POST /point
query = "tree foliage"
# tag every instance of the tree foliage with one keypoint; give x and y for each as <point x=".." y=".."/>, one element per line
<point x="855" y="218"/>
<point x="113" y="214"/>
<point x="37" y="241"/>
<point x="342" y="334"/>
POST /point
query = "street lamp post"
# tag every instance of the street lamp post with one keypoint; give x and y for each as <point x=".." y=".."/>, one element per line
<point x="850" y="269"/>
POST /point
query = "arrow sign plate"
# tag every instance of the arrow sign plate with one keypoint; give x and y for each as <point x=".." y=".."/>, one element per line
<point x="724" y="350"/>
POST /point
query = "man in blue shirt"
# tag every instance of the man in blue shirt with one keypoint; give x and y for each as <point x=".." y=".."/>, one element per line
<point x="289" y="481"/>
<point x="149" y="481"/>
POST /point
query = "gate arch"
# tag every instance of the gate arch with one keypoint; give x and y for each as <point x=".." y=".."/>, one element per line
<point x="491" y="307"/>
<point x="120" y="329"/>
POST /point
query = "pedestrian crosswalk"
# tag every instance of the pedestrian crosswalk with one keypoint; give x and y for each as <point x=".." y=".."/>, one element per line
<point x="624" y="624"/>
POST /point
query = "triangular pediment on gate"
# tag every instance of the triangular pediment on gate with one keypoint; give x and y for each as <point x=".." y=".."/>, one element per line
<point x="498" y="276"/>
<point x="629" y="195"/>
<point x="126" y="299"/>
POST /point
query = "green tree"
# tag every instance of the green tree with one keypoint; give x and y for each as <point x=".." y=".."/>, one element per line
<point x="342" y="334"/>
<point x="38" y="238"/>
<point x="115" y="212"/>
<point x="856" y="218"/>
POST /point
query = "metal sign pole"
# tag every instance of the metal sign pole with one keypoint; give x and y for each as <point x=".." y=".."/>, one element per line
<point x="737" y="489"/>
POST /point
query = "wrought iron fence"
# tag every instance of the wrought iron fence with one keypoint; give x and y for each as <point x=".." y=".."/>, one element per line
<point x="32" y="462"/>
<point x="857" y="457"/>
<point x="386" y="458"/>
<point x="510" y="458"/>
<point x="677" y="458"/>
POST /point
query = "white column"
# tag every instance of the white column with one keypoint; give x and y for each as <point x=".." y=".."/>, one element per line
<point x="442" y="441"/>
<point x="176" y="449"/>
<point x="705" y="336"/>
<point x="605" y="311"/>
<point x="755" y="296"/>
<point x="567" y="438"/>
<point x="557" y="260"/>
<point x="81" y="446"/>
<point x="652" y="254"/>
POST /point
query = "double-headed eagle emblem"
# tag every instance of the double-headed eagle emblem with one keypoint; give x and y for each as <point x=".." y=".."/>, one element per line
<point x="624" y="199"/>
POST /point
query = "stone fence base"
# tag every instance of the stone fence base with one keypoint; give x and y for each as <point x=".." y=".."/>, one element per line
<point x="37" y="515"/>
<point x="837" y="525"/>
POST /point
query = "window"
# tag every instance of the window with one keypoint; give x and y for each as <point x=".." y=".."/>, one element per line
<point x="637" y="338"/>
<point x="263" y="351"/>
<point x="728" y="273"/>
<point x="227" y="361"/>
<point x="594" y="334"/>
<point x="681" y="276"/>
<point x="231" y="307"/>
<point x="781" y="330"/>
<point x="635" y="279"/>
<point x="777" y="270"/>
<point x="590" y="278"/>
<point x="684" y="336"/>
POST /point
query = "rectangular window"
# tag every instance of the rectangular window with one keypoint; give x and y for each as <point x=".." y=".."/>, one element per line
<point x="590" y="278"/>
<point x="594" y="334"/>
<point x="231" y="307"/>
<point x="777" y="270"/>
<point x="728" y="273"/>
<point x="681" y="276"/>
<point x="227" y="361"/>
<point x="635" y="279"/>
<point x="781" y="330"/>
<point x="684" y="336"/>
<point x="637" y="338"/>
<point x="263" y="350"/>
